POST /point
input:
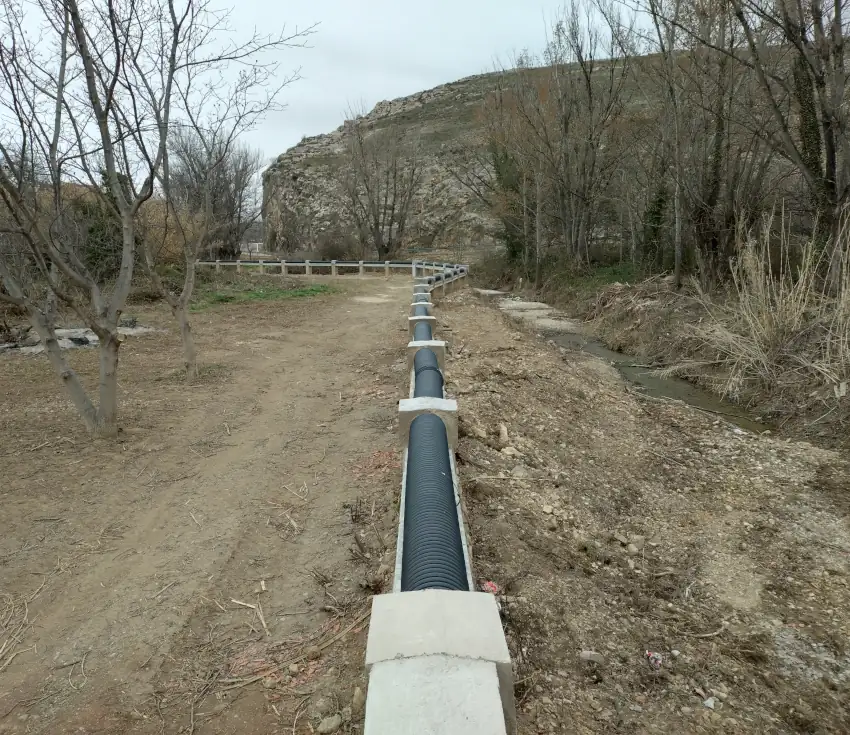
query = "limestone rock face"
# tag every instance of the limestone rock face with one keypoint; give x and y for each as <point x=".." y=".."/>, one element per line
<point x="302" y="190"/>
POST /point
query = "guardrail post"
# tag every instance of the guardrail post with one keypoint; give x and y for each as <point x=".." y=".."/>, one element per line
<point x="333" y="267"/>
<point x="239" y="265"/>
<point x="283" y="269"/>
<point x="262" y="267"/>
<point x="386" y="269"/>
<point x="413" y="268"/>
<point x="362" y="268"/>
<point x="217" y="265"/>
<point x="308" y="269"/>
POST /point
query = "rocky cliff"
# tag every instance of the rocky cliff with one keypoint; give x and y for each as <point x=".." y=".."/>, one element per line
<point x="302" y="194"/>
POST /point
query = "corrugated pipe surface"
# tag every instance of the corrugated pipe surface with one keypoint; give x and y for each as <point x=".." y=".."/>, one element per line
<point x="422" y="332"/>
<point x="432" y="556"/>
<point x="428" y="380"/>
<point x="420" y="311"/>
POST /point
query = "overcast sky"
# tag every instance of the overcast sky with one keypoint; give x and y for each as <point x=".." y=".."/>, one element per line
<point x="372" y="50"/>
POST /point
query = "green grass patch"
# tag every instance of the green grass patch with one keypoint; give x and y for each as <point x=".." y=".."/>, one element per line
<point x="604" y="275"/>
<point x="205" y="299"/>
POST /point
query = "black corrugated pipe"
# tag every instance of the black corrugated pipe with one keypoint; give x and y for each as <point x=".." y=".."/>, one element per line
<point x="427" y="378"/>
<point x="422" y="331"/>
<point x="420" y="311"/>
<point x="432" y="556"/>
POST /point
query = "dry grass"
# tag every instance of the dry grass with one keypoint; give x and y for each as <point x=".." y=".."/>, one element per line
<point x="778" y="340"/>
<point x="785" y="329"/>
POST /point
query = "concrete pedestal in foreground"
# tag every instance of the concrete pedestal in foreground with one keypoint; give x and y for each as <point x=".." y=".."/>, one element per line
<point x="438" y="664"/>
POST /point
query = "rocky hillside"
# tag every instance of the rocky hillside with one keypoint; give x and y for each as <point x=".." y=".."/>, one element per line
<point x="302" y="196"/>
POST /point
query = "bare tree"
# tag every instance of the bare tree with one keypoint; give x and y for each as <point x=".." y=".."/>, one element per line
<point x="210" y="199"/>
<point x="553" y="134"/>
<point x="208" y="179"/>
<point x="219" y="183"/>
<point x="794" y="51"/>
<point x="382" y="173"/>
<point x="96" y="92"/>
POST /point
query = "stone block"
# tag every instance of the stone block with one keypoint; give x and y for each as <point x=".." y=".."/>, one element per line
<point x="438" y="345"/>
<point x="445" y="408"/>
<point x="412" y="321"/>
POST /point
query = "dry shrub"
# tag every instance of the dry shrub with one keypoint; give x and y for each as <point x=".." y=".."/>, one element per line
<point x="165" y="230"/>
<point x="777" y="339"/>
<point x="785" y="330"/>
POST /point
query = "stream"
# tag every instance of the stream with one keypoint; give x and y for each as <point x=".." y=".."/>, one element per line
<point x="649" y="382"/>
<point x="570" y="334"/>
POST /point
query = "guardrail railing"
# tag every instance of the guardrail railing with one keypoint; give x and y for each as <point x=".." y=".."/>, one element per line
<point x="436" y="655"/>
<point x="286" y="266"/>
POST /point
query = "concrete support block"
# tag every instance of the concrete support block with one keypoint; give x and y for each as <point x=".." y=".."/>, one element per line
<point x="283" y="269"/>
<point x="437" y="345"/>
<point x="421" y="288"/>
<point x="422" y="298"/>
<point x="445" y="408"/>
<point x="386" y="269"/>
<point x="412" y="321"/>
<point x="308" y="269"/>
<point x="333" y="268"/>
<point x="463" y="627"/>
<point x="434" y="694"/>
<point x="427" y="304"/>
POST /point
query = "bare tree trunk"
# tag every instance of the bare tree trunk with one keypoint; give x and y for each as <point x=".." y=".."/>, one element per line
<point x="525" y="224"/>
<point x="677" y="232"/>
<point x="538" y="230"/>
<point x="107" y="413"/>
<point x="70" y="379"/>
<point x="190" y="354"/>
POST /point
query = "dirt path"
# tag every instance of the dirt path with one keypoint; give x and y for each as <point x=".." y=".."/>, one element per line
<point x="211" y="573"/>
<point x="246" y="487"/>
<point x="617" y="525"/>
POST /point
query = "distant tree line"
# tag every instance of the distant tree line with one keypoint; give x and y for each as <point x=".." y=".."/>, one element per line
<point x="661" y="133"/>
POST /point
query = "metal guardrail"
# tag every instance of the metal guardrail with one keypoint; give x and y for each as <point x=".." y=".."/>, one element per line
<point x="417" y="267"/>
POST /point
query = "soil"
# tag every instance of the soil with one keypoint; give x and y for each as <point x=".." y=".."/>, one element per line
<point x="617" y="527"/>
<point x="144" y="584"/>
<point x="211" y="571"/>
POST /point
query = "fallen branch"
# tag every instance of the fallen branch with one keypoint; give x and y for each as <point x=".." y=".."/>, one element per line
<point x="277" y="667"/>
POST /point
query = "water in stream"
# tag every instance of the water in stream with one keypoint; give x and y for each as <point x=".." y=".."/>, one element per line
<point x="652" y="384"/>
